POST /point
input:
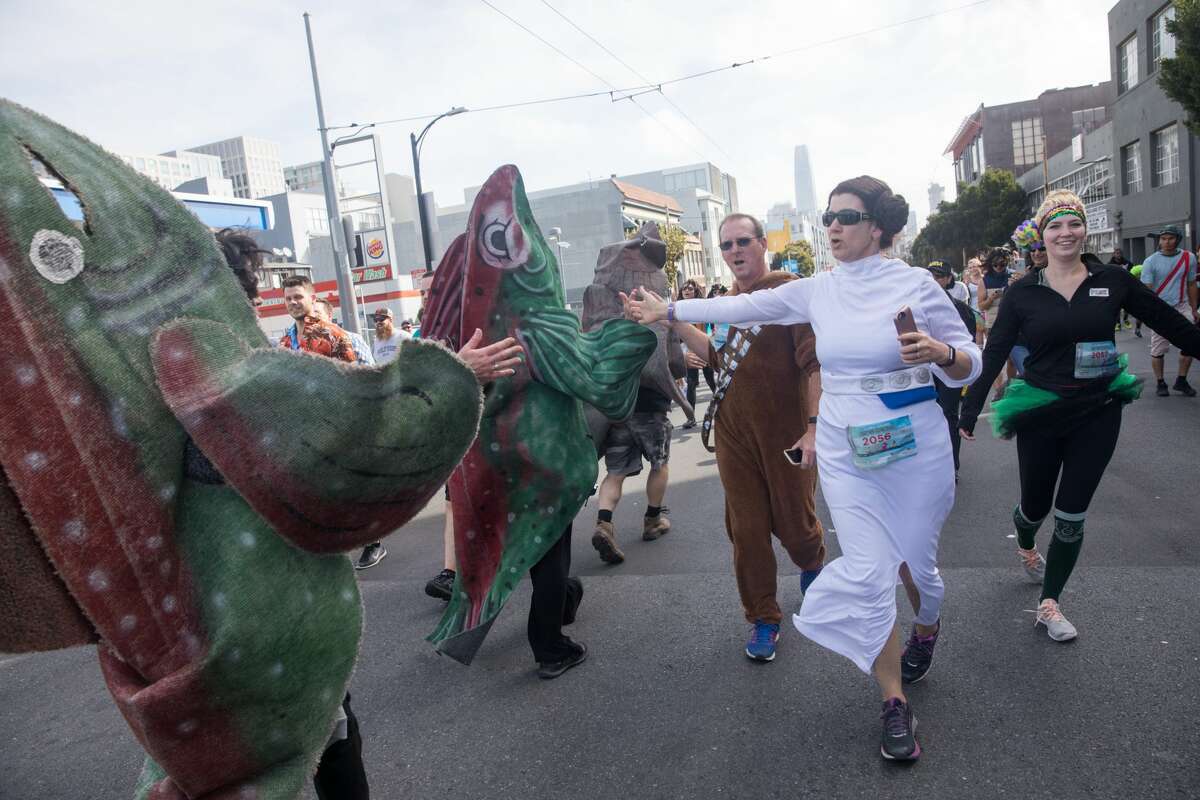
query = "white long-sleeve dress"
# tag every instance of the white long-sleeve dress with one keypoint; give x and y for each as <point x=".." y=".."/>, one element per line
<point x="883" y="516"/>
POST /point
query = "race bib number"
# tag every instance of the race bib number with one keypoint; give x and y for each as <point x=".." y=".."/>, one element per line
<point x="1096" y="360"/>
<point x="880" y="443"/>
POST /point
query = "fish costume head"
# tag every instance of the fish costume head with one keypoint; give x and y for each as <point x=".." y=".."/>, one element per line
<point x="533" y="465"/>
<point x="177" y="490"/>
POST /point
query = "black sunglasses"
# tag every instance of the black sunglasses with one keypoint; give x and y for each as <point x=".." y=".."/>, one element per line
<point x="847" y="216"/>
<point x="742" y="241"/>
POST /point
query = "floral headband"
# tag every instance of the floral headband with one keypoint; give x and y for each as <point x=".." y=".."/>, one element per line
<point x="1058" y="210"/>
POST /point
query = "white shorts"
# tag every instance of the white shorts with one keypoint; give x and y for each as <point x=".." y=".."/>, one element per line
<point x="1159" y="344"/>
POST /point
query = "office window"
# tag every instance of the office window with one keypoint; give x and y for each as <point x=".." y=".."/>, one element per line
<point x="1027" y="141"/>
<point x="1131" y="168"/>
<point x="1165" y="145"/>
<point x="1127" y="64"/>
<point x="1162" y="42"/>
<point x="1086" y="120"/>
<point x="317" y="223"/>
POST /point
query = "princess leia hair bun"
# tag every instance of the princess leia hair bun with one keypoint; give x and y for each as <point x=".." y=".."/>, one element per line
<point x="888" y="209"/>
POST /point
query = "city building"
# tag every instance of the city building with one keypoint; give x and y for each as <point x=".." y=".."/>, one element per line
<point x="1085" y="168"/>
<point x="588" y="215"/>
<point x="1016" y="136"/>
<point x="937" y="195"/>
<point x="806" y="195"/>
<point x="252" y="164"/>
<point x="706" y="195"/>
<point x="785" y="224"/>
<point x="1156" y="173"/>
<point x="171" y="169"/>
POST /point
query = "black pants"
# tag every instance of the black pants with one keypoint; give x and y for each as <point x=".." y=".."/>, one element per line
<point x="340" y="773"/>
<point x="555" y="601"/>
<point x="693" y="381"/>
<point x="950" y="399"/>
<point x="1080" y="453"/>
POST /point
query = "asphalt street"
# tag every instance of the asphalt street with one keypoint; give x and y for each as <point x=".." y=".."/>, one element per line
<point x="667" y="706"/>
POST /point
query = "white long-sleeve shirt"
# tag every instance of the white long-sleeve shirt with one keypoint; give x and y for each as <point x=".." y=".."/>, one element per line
<point x="851" y="309"/>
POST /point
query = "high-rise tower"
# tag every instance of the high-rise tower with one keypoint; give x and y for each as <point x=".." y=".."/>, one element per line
<point x="806" y="196"/>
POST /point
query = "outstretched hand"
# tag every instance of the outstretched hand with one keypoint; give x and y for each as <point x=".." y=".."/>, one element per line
<point x="495" y="361"/>
<point x="644" y="306"/>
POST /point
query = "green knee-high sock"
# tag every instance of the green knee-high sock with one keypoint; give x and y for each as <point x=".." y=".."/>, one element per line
<point x="1064" y="550"/>
<point x="1026" y="528"/>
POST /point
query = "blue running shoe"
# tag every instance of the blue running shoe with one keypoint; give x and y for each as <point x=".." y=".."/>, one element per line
<point x="761" y="646"/>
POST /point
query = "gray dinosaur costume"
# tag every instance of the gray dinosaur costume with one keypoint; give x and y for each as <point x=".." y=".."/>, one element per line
<point x="623" y="267"/>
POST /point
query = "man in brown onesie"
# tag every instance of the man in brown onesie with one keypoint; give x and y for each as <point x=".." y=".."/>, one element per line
<point x="766" y="402"/>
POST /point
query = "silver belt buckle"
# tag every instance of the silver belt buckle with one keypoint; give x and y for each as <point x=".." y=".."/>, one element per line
<point x="871" y="385"/>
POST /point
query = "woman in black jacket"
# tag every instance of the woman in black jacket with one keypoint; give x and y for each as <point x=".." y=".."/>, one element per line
<point x="1066" y="413"/>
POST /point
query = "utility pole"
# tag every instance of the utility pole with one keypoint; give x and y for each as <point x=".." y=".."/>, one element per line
<point x="341" y="263"/>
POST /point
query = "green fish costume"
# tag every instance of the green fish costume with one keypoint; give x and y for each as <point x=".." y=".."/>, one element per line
<point x="532" y="466"/>
<point x="227" y="625"/>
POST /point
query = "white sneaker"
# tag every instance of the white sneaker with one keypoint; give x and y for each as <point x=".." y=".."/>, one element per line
<point x="1034" y="564"/>
<point x="1057" y="626"/>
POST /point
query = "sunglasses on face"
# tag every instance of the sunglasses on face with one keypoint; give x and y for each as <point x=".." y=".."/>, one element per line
<point x="742" y="241"/>
<point x="847" y="216"/>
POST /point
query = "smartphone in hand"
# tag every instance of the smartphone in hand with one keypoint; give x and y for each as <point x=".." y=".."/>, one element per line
<point x="795" y="456"/>
<point x="905" y="323"/>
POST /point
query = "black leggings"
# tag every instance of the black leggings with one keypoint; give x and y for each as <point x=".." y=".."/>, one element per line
<point x="1080" y="453"/>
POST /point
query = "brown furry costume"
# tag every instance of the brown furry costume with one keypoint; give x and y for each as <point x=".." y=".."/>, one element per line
<point x="764" y="413"/>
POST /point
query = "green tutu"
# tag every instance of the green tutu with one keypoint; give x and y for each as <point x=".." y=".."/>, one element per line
<point x="1024" y="406"/>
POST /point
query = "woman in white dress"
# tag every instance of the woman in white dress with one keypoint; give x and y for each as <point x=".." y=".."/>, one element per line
<point x="886" y="467"/>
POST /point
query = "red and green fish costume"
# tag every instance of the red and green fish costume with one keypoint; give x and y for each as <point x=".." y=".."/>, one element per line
<point x="532" y="466"/>
<point x="227" y="623"/>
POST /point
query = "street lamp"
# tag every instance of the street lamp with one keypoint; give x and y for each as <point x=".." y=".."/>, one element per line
<point x="559" y="246"/>
<point x="416" y="156"/>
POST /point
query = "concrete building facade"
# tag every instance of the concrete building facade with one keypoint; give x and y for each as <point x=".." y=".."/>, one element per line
<point x="252" y="164"/>
<point x="706" y="194"/>
<point x="172" y="168"/>
<point x="1156" y="172"/>
<point x="1016" y="136"/>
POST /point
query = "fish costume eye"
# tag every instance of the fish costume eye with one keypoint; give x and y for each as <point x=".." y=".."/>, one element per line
<point x="494" y="239"/>
<point x="57" y="257"/>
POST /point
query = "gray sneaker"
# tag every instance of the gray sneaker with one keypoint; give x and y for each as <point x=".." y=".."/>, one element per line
<point x="1034" y="564"/>
<point x="1057" y="626"/>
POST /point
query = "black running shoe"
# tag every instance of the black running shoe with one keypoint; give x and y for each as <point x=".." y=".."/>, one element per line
<point x="917" y="658"/>
<point x="1161" y="390"/>
<point x="1183" y="387"/>
<point x="372" y="554"/>
<point x="899" y="742"/>
<point x="441" y="586"/>
<point x="552" y="669"/>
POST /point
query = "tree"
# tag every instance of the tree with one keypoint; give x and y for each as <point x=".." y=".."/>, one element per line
<point x="676" y="240"/>
<point x="799" y="251"/>
<point x="983" y="215"/>
<point x="1180" y="76"/>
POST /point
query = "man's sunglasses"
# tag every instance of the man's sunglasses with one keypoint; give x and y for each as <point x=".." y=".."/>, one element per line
<point x="742" y="241"/>
<point x="847" y="216"/>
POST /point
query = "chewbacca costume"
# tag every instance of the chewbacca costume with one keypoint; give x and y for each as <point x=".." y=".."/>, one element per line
<point x="763" y="413"/>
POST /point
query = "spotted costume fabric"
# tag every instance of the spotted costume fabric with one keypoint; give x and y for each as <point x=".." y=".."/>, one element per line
<point x="225" y="616"/>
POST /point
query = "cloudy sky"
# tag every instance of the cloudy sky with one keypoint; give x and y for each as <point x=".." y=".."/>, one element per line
<point x="154" y="76"/>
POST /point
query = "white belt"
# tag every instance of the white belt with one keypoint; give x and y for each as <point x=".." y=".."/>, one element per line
<point x="881" y="383"/>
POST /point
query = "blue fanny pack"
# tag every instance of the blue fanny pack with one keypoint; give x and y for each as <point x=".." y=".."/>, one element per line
<point x="907" y="397"/>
